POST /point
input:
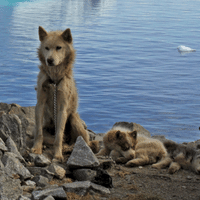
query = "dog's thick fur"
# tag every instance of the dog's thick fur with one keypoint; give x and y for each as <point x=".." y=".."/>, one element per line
<point x="57" y="55"/>
<point x="118" y="143"/>
<point x="182" y="156"/>
<point x="142" y="150"/>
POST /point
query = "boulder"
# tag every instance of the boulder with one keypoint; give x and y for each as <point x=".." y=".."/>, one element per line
<point x="9" y="188"/>
<point x="82" y="156"/>
<point x="12" y="166"/>
<point x="13" y="148"/>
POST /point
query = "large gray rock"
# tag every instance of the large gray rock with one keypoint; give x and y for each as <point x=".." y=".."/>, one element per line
<point x="12" y="166"/>
<point x="13" y="148"/>
<point x="57" y="193"/>
<point x="9" y="188"/>
<point x="11" y="125"/>
<point x="82" y="156"/>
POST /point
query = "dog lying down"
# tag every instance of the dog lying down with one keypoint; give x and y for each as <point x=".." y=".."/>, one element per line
<point x="132" y="149"/>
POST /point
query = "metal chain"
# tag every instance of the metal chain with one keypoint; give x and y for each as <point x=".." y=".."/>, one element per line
<point x="55" y="106"/>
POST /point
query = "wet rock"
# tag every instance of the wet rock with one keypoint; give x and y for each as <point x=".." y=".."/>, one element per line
<point x="12" y="166"/>
<point x="2" y="146"/>
<point x="42" y="161"/>
<point x="41" y="181"/>
<point x="84" y="174"/>
<point x="9" y="188"/>
<point x="13" y="148"/>
<point x="57" y="193"/>
<point x="82" y="156"/>
<point x="57" y="171"/>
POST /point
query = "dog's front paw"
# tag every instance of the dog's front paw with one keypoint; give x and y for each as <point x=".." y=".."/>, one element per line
<point x="131" y="163"/>
<point x="57" y="159"/>
<point x="36" y="150"/>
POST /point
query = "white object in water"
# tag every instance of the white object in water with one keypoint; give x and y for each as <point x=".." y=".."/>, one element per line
<point x="185" y="49"/>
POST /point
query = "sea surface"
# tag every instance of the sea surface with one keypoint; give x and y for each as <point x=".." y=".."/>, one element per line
<point x="127" y="66"/>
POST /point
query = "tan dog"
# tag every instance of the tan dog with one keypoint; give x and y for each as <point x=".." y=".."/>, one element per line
<point x="126" y="146"/>
<point x="119" y="144"/>
<point x="149" y="151"/>
<point x="57" y="56"/>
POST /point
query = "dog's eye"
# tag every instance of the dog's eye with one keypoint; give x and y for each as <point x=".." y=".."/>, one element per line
<point x="58" y="48"/>
<point x="47" y="48"/>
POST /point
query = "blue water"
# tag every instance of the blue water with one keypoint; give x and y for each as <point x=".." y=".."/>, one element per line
<point x="127" y="66"/>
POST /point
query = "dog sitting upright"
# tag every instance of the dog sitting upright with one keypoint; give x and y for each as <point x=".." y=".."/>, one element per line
<point x="57" y="56"/>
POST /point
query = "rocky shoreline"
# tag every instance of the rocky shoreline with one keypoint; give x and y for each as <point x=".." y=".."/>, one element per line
<point x="25" y="176"/>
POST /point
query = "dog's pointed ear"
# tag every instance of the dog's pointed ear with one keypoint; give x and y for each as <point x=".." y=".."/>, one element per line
<point x="42" y="33"/>
<point x="133" y="134"/>
<point x="67" y="36"/>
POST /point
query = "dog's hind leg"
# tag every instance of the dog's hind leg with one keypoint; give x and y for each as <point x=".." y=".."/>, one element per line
<point x="174" y="167"/>
<point x="164" y="162"/>
<point x="77" y="129"/>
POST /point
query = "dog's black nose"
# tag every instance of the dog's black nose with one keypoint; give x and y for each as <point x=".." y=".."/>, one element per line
<point x="50" y="61"/>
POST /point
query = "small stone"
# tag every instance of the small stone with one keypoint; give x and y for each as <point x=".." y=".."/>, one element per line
<point x="58" y="171"/>
<point x="42" y="161"/>
<point x="32" y="156"/>
<point x="189" y="177"/>
<point x="30" y="183"/>
<point x="21" y="197"/>
<point x="82" y="156"/>
<point x="81" y="187"/>
<point x="49" y="198"/>
<point x="41" y="181"/>
<point x="57" y="193"/>
<point x="41" y="171"/>
<point x="2" y="146"/>
<point x="140" y="167"/>
<point x="100" y="189"/>
<point x="27" y="188"/>
<point x="84" y="174"/>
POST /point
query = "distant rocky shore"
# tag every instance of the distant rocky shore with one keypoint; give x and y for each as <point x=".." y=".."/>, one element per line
<point x="25" y="176"/>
